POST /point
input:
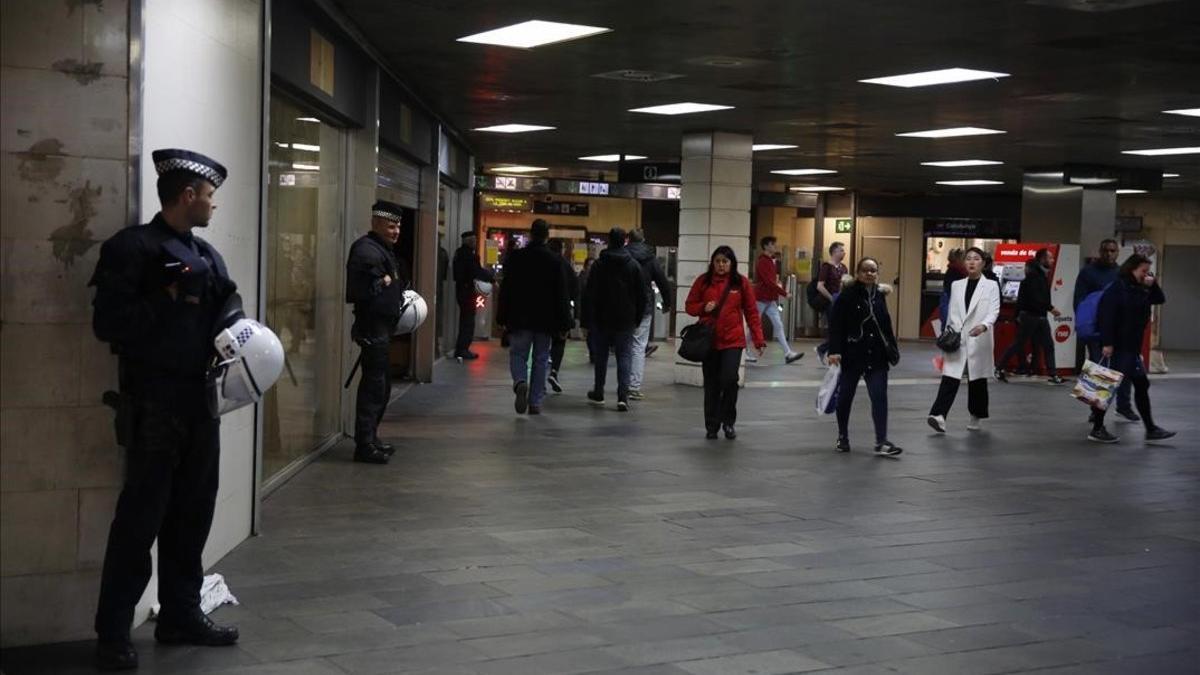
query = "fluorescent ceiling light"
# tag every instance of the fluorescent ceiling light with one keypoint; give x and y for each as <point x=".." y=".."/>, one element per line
<point x="308" y="119"/>
<point x="281" y="145"/>
<point x="1157" y="152"/>
<point x="970" y="182"/>
<point x="610" y="158"/>
<point x="513" y="128"/>
<point x="305" y="167"/>
<point x="518" y="168"/>
<point x="1170" y="175"/>
<point x="770" y="146"/>
<point x="1131" y="192"/>
<point x="803" y="172"/>
<point x="817" y="188"/>
<point x="305" y="146"/>
<point x="963" y="162"/>
<point x="1190" y="112"/>
<point x="951" y="133"/>
<point x="532" y="34"/>
<point x="680" y="108"/>
<point x="944" y="76"/>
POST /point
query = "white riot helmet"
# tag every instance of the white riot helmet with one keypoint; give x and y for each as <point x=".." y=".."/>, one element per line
<point x="483" y="287"/>
<point x="251" y="359"/>
<point x="413" y="311"/>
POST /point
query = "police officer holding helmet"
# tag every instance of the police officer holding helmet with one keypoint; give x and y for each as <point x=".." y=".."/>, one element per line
<point x="162" y="294"/>
<point x="375" y="283"/>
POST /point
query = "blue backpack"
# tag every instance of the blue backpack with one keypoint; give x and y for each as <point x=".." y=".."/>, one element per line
<point x="1086" y="327"/>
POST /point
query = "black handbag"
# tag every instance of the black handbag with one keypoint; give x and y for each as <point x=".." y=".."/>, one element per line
<point x="696" y="340"/>
<point x="950" y="340"/>
<point x="891" y="349"/>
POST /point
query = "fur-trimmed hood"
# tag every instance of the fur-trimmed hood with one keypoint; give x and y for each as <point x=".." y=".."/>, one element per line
<point x="849" y="281"/>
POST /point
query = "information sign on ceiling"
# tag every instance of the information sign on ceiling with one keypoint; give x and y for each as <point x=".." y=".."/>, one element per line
<point x="512" y="203"/>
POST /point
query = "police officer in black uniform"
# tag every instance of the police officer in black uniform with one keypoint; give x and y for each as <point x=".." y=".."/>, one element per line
<point x="466" y="271"/>
<point x="375" y="282"/>
<point x="162" y="294"/>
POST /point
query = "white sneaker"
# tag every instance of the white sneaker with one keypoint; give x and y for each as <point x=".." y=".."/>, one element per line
<point x="975" y="424"/>
<point x="751" y="359"/>
<point x="938" y="422"/>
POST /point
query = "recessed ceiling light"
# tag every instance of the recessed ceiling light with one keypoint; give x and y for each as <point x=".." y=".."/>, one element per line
<point x="308" y="119"/>
<point x="532" y="34"/>
<point x="951" y="133"/>
<point x="680" y="108"/>
<point x="962" y="183"/>
<point x="305" y="167"/>
<point x="803" y="172"/>
<point x="306" y="146"/>
<point x="610" y="158"/>
<point x="518" y="168"/>
<point x="1170" y="175"/>
<point x="513" y="128"/>
<point x="817" y="188"/>
<point x="1190" y="112"/>
<point x="944" y="76"/>
<point x="963" y="162"/>
<point x="1156" y="152"/>
<point x="1131" y="192"/>
<point x="281" y="145"/>
<point x="770" y="146"/>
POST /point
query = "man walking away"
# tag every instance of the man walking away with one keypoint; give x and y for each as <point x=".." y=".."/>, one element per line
<point x="535" y="307"/>
<point x="652" y="271"/>
<point x="829" y="284"/>
<point x="467" y="271"/>
<point x="768" y="291"/>
<point x="558" y="346"/>
<point x="1093" y="278"/>
<point x="614" y="302"/>
<point x="1033" y="303"/>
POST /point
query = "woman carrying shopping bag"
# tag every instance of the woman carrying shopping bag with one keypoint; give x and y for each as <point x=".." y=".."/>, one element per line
<point x="862" y="343"/>
<point x="974" y="306"/>
<point x="724" y="299"/>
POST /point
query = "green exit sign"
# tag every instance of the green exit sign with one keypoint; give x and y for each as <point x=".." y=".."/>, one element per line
<point x="843" y="226"/>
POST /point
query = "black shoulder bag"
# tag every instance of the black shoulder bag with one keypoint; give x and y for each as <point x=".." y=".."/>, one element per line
<point x="696" y="340"/>
<point x="890" y="347"/>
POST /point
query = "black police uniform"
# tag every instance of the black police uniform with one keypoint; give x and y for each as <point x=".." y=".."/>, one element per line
<point x="376" y="313"/>
<point x="166" y="416"/>
<point x="466" y="271"/>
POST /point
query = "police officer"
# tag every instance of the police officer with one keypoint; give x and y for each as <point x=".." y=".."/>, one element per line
<point x="374" y="285"/>
<point x="467" y="271"/>
<point x="161" y="295"/>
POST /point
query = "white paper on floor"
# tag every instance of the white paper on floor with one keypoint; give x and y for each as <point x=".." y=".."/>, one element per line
<point x="214" y="592"/>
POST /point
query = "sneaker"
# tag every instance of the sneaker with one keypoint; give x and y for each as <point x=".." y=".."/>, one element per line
<point x="650" y="349"/>
<point x="1127" y="415"/>
<point x="842" y="445"/>
<point x="636" y="394"/>
<point x="938" y="422"/>
<point x="711" y="434"/>
<point x="888" y="449"/>
<point x="553" y="380"/>
<point x="751" y="359"/>
<point x="535" y="409"/>
<point x="1101" y="435"/>
<point x="596" y="397"/>
<point x="521" y="402"/>
<point x="1158" y="434"/>
<point x="622" y="405"/>
<point x="1001" y="376"/>
<point x="729" y="432"/>
<point x="1055" y="380"/>
<point x="793" y="357"/>
<point x="974" y="424"/>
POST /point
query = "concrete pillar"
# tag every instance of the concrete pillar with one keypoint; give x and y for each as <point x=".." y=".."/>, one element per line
<point x="1066" y="214"/>
<point x="714" y="211"/>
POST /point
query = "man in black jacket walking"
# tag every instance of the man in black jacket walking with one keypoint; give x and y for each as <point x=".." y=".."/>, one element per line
<point x="615" y="301"/>
<point x="558" y="345"/>
<point x="652" y="271"/>
<point x="1033" y="303"/>
<point x="467" y="271"/>
<point x="535" y="306"/>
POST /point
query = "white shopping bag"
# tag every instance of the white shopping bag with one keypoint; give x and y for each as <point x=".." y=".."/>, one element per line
<point x="827" y="393"/>
<point x="1096" y="385"/>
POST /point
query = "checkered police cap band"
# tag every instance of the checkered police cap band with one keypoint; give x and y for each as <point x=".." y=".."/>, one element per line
<point x="383" y="213"/>
<point x="192" y="162"/>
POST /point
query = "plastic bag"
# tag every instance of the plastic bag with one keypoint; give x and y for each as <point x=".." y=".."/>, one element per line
<point x="1096" y="385"/>
<point x="828" y="391"/>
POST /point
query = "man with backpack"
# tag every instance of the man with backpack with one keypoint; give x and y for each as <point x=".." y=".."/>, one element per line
<point x="822" y="290"/>
<point x="1089" y="286"/>
<point x="614" y="302"/>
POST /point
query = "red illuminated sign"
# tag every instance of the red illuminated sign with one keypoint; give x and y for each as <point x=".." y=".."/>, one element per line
<point x="480" y="301"/>
<point x="1062" y="333"/>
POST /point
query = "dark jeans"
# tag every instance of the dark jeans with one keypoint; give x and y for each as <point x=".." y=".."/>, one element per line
<point x="877" y="380"/>
<point x="1130" y="365"/>
<point x="170" y="491"/>
<point x="721" y="387"/>
<point x="977" y="397"/>
<point x="374" y="390"/>
<point x="1035" y="329"/>
<point x="466" y="328"/>
<point x="602" y="341"/>
<point x="558" y="347"/>
<point x="1095" y="354"/>
<point x="520" y="344"/>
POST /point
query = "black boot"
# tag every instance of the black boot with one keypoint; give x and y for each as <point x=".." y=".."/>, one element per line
<point x="369" y="454"/>
<point x="196" y="629"/>
<point x="387" y="448"/>
<point x="116" y="655"/>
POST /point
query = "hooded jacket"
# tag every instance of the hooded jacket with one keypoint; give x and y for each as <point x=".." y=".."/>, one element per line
<point x="534" y="295"/>
<point x="1033" y="296"/>
<point x="652" y="270"/>
<point x="616" y="296"/>
<point x="1124" y="312"/>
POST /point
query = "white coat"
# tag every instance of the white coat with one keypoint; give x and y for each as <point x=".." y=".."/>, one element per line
<point x="977" y="354"/>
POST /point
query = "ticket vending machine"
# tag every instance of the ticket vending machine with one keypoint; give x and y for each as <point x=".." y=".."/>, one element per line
<point x="1010" y="268"/>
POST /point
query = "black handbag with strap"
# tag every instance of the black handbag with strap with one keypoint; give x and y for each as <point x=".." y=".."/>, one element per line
<point x="950" y="340"/>
<point x="696" y="340"/>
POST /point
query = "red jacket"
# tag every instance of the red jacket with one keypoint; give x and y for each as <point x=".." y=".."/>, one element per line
<point x="729" y="332"/>
<point x="766" y="280"/>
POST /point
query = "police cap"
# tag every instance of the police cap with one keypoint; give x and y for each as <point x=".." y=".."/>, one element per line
<point x="386" y="209"/>
<point x="174" y="159"/>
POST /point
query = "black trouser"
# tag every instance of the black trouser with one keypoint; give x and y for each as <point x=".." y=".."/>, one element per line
<point x="1130" y="365"/>
<point x="466" y="328"/>
<point x="721" y="387"/>
<point x="170" y="491"/>
<point x="877" y="379"/>
<point x="1035" y="329"/>
<point x="977" y="397"/>
<point x="558" y="347"/>
<point x="374" y="390"/>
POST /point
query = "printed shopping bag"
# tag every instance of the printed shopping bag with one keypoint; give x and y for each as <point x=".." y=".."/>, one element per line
<point x="1096" y="385"/>
<point x="827" y="393"/>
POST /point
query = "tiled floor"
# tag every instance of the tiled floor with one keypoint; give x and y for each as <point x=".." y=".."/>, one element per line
<point x="587" y="540"/>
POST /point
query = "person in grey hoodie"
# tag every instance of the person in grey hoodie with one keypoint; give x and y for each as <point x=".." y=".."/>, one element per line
<point x="652" y="272"/>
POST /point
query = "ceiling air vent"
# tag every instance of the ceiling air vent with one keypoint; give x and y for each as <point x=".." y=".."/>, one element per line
<point x="631" y="75"/>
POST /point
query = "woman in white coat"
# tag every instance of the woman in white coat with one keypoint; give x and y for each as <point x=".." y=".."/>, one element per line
<point x="974" y="306"/>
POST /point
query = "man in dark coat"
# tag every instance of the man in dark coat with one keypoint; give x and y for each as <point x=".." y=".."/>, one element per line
<point x="374" y="285"/>
<point x="467" y="271"/>
<point x="1033" y="304"/>
<point x="614" y="302"/>
<point x="534" y="307"/>
<point x="1096" y="276"/>
<point x="162" y="294"/>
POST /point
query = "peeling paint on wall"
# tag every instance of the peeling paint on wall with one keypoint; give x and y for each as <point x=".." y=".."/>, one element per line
<point x="84" y="73"/>
<point x="74" y="239"/>
<point x="73" y="5"/>
<point x="42" y="162"/>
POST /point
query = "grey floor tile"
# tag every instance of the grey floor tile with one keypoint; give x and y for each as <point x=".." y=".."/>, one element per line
<point x="759" y="663"/>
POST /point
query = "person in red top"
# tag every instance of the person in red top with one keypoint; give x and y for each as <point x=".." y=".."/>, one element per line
<point x="709" y="301"/>
<point x="768" y="291"/>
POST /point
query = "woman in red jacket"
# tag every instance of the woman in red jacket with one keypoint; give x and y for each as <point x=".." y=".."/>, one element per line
<point x="708" y="300"/>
